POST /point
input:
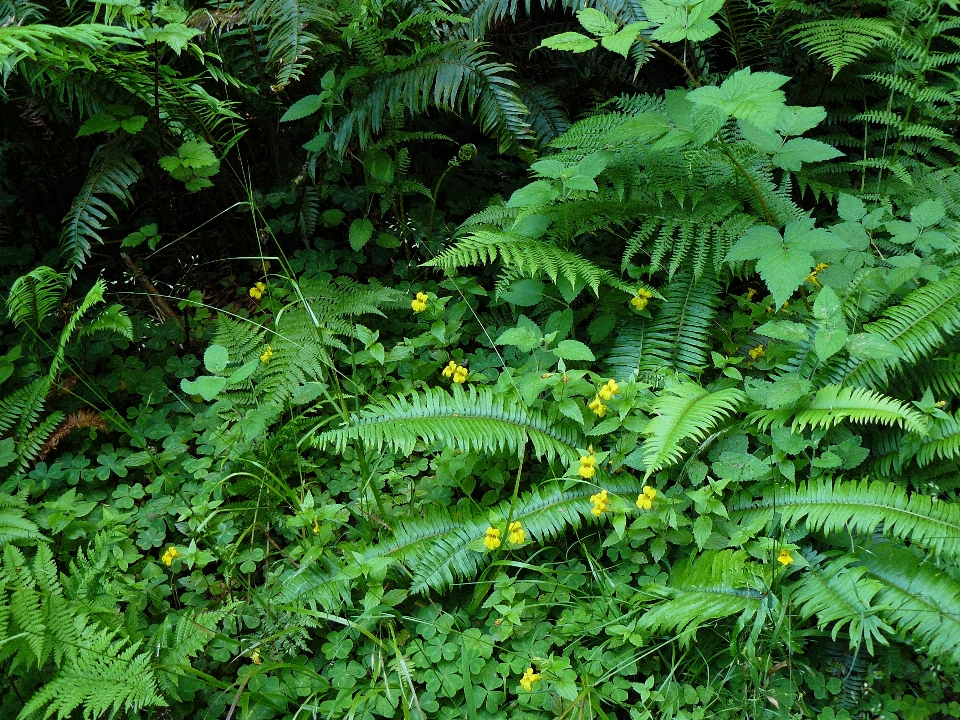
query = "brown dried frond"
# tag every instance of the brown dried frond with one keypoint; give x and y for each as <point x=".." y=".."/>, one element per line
<point x="74" y="421"/>
<point x="219" y="20"/>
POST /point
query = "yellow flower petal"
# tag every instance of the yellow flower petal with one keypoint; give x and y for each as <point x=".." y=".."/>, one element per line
<point x="784" y="558"/>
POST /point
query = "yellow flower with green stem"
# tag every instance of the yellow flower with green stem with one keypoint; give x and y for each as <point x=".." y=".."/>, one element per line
<point x="528" y="679"/>
<point x="600" y="502"/>
<point x="588" y="466"/>
<point x="491" y="539"/>
<point x="419" y="303"/>
<point x="609" y="389"/>
<point x="515" y="533"/>
<point x="596" y="405"/>
<point x="258" y="291"/>
<point x="646" y="498"/>
<point x="784" y="558"/>
<point x="641" y="299"/>
<point x="169" y="556"/>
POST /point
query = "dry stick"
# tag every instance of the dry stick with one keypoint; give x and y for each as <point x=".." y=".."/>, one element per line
<point x="160" y="305"/>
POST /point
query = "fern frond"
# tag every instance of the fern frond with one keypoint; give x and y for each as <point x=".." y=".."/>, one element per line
<point x="676" y="338"/>
<point x="683" y="412"/>
<point x="918" y="598"/>
<point x="943" y="440"/>
<point x="530" y="257"/>
<point x="476" y="420"/>
<point x="715" y="584"/>
<point x="293" y="27"/>
<point x="838" y="592"/>
<point x="114" y="171"/>
<point x="547" y="119"/>
<point x="34" y="296"/>
<point x="841" y="41"/>
<point x="862" y="506"/>
<point x="833" y="404"/>
<point x="14" y="526"/>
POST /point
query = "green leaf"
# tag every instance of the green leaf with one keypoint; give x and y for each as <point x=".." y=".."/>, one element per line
<point x="795" y="120"/>
<point x="928" y="213"/>
<point x="328" y="81"/>
<point x="570" y="41"/>
<point x="549" y="168"/>
<point x="526" y="336"/>
<point x="102" y="122"/>
<point x="746" y="95"/>
<point x="175" y="35"/>
<point x="360" y="233"/>
<point x="243" y="372"/>
<point x="797" y="151"/>
<point x="304" y="107"/>
<point x="593" y="164"/>
<point x="134" y="124"/>
<point x="872" y="346"/>
<point x="573" y="350"/>
<point x="682" y="22"/>
<point x="622" y="41"/>
<point x="7" y="451"/>
<point x="379" y="165"/>
<point x="783" y="330"/>
<point x="850" y="208"/>
<point x="197" y="183"/>
<point x="215" y="358"/>
<point x="764" y="140"/>
<point x="596" y="22"/>
<point x="206" y="386"/>
<point x="539" y="192"/>
<point x="702" y="528"/>
<point x="832" y="326"/>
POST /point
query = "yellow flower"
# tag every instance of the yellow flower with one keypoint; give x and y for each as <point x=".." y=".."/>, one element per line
<point x="646" y="498"/>
<point x="169" y="556"/>
<point x="316" y="527"/>
<point x="419" y="303"/>
<point x="600" y="503"/>
<point x="784" y="558"/>
<point x="599" y="409"/>
<point x="516" y="534"/>
<point x="750" y="293"/>
<point x="587" y="466"/>
<point x="258" y="291"/>
<point x="757" y="352"/>
<point x="460" y="374"/>
<point x="450" y="369"/>
<point x="267" y="354"/>
<point x="641" y="299"/>
<point x="255" y="658"/>
<point x="491" y="540"/>
<point x="528" y="679"/>
<point x="610" y="389"/>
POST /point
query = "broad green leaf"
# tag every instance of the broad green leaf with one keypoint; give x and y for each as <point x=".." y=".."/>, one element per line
<point x="549" y="168"/>
<point x="134" y="124"/>
<point x="596" y="22"/>
<point x="303" y="107"/>
<point x="175" y="35"/>
<point x="539" y="192"/>
<point x="360" y="233"/>
<point x="797" y="151"/>
<point x="850" y="207"/>
<point x="206" y="386"/>
<point x="928" y="213"/>
<point x="622" y="41"/>
<point x="746" y="95"/>
<point x="523" y="338"/>
<point x="379" y="165"/>
<point x="795" y="120"/>
<point x="332" y="217"/>
<point x="570" y="41"/>
<point x="702" y="528"/>
<point x="580" y="182"/>
<point x="525" y="293"/>
<point x="642" y="128"/>
<point x="593" y="164"/>
<point x="328" y="81"/>
<point x="783" y="330"/>
<point x="244" y="371"/>
<point x="215" y="358"/>
<point x="102" y="122"/>
<point x="573" y="350"/>
<point x="763" y="140"/>
<point x="7" y="451"/>
<point x="872" y="346"/>
<point x="682" y="22"/>
<point x="832" y="326"/>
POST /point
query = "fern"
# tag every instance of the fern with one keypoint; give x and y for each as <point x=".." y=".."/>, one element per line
<point x="863" y="506"/>
<point x="713" y="585"/>
<point x="683" y="412"/>
<point x="475" y="420"/>
<point x="293" y="27"/>
<point x="528" y="256"/>
<point x="14" y="526"/>
<point x="841" y="41"/>
<point x="677" y="338"/>
<point x="943" y="441"/>
<point x="833" y="404"/>
<point x="838" y="593"/>
<point x="33" y="297"/>
<point x="918" y="598"/>
<point x="114" y="171"/>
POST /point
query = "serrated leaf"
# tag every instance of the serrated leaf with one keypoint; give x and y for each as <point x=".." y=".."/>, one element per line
<point x="746" y="95"/>
<point x="783" y="330"/>
<point x="360" y="233"/>
<point x="101" y="122"/>
<point x="596" y="22"/>
<point x="570" y="41"/>
<point x="134" y="124"/>
<point x="797" y="151"/>
<point x="928" y="213"/>
<point x="795" y="120"/>
<point x="539" y="192"/>
<point x="573" y="350"/>
<point x="303" y="107"/>
<point x="549" y="168"/>
<point x="871" y="346"/>
<point x="832" y="326"/>
<point x="622" y="41"/>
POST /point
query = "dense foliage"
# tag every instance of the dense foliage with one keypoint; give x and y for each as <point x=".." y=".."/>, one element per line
<point x="477" y="360"/>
